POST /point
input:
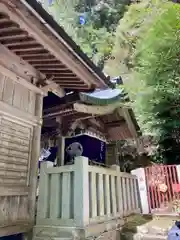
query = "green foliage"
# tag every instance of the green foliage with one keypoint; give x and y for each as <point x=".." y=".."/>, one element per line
<point x="96" y="43"/>
<point x="157" y="65"/>
<point x="135" y="21"/>
<point x="96" y="36"/>
<point x="105" y="13"/>
<point x="63" y="12"/>
<point x="146" y="52"/>
<point x="98" y="33"/>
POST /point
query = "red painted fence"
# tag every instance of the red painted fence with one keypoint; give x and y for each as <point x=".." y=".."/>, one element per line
<point x="162" y="186"/>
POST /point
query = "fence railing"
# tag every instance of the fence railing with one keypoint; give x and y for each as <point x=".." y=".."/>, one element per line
<point x="80" y="194"/>
<point x="113" y="194"/>
<point x="163" y="188"/>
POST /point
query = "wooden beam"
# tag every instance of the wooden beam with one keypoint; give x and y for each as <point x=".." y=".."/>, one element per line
<point x="24" y="49"/>
<point x="4" y="20"/>
<point x="11" y="45"/>
<point x="70" y="81"/>
<point x="49" y="69"/>
<point x="89" y="124"/>
<point x="63" y="73"/>
<point x="8" y="24"/>
<point x="58" y="113"/>
<point x="67" y="81"/>
<point x="32" y="45"/>
<point x="11" y="36"/>
<point x="68" y="100"/>
<point x="97" y="123"/>
<point x="49" y="87"/>
<point x="66" y="78"/>
<point x="34" y="55"/>
<point x="100" y="121"/>
<point x="55" y="71"/>
<point x="73" y="86"/>
<point x="8" y="30"/>
<point x="44" y="64"/>
<point x="115" y="123"/>
<point x="3" y="16"/>
<point x="17" y="69"/>
<point x="59" y="92"/>
<point x="130" y="123"/>
<point x="84" y="117"/>
<point x="20" y="80"/>
<point x="39" y="59"/>
<point x="17" y="41"/>
<point x="53" y="87"/>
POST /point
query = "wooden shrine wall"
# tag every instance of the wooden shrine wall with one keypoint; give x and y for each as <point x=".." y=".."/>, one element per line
<point x="20" y="129"/>
<point x="16" y="95"/>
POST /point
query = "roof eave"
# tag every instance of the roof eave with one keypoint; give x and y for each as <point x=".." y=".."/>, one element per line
<point x="59" y="33"/>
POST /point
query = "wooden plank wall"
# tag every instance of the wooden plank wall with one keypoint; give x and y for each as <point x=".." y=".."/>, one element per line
<point x="16" y="95"/>
<point x="15" y="153"/>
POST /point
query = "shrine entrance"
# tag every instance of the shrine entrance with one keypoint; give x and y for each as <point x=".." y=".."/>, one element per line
<point x="163" y="188"/>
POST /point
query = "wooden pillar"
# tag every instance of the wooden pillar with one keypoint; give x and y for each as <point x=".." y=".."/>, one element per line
<point x="35" y="153"/>
<point x="60" y="141"/>
<point x="116" y="150"/>
<point x="60" y="154"/>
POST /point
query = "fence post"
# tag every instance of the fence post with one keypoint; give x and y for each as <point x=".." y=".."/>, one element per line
<point x="43" y="190"/>
<point x="178" y="172"/>
<point x="115" y="167"/>
<point x="141" y="179"/>
<point x="118" y="190"/>
<point x="81" y="191"/>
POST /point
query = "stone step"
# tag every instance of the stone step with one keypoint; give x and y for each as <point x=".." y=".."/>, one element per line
<point x="139" y="236"/>
<point x="158" y="227"/>
<point x="172" y="215"/>
<point x="52" y="238"/>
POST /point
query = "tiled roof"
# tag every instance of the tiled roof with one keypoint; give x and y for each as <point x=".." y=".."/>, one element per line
<point x="102" y="96"/>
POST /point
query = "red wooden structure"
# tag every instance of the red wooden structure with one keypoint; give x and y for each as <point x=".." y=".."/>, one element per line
<point x="163" y="187"/>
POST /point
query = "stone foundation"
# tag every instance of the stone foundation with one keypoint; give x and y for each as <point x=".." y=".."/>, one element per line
<point x="110" y="235"/>
<point x="102" y="231"/>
